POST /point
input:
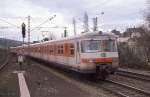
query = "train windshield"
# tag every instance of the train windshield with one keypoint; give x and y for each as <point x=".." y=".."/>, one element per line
<point x="91" y="46"/>
<point x="109" y="46"/>
<point x="98" y="46"/>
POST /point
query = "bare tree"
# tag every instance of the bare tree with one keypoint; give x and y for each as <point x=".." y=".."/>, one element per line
<point x="86" y="22"/>
<point x="52" y="36"/>
<point x="144" y="42"/>
<point x="148" y="14"/>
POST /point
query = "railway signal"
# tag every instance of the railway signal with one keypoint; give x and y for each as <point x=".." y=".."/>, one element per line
<point x="23" y="36"/>
<point x="23" y="30"/>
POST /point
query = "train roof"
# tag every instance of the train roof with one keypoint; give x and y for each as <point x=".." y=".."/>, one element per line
<point x="80" y="36"/>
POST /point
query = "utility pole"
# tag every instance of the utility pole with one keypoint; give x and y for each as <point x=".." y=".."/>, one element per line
<point x="65" y="32"/>
<point x="95" y="28"/>
<point x="74" y="26"/>
<point x="29" y="34"/>
<point x="86" y="23"/>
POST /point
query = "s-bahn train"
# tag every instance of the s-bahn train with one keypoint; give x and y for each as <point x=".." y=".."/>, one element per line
<point x="92" y="53"/>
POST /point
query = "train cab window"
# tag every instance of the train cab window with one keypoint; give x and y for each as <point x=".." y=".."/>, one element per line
<point x="109" y="45"/>
<point x="90" y="46"/>
<point x="71" y="49"/>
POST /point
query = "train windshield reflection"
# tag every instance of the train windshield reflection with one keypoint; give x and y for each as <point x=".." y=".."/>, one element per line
<point x="109" y="46"/>
<point x="91" y="46"/>
<point x="98" y="46"/>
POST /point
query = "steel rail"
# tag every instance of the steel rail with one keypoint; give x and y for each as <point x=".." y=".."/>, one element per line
<point x="116" y="93"/>
<point x="133" y="75"/>
<point x="4" y="64"/>
<point x="130" y="87"/>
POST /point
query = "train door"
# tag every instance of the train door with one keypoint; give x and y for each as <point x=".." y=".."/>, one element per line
<point x="78" y="52"/>
<point x="66" y="51"/>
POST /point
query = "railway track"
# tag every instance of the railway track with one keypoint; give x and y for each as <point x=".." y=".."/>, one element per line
<point x="5" y="63"/>
<point x="133" y="75"/>
<point x="125" y="90"/>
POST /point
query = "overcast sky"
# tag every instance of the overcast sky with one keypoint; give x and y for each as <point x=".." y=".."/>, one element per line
<point x="118" y="14"/>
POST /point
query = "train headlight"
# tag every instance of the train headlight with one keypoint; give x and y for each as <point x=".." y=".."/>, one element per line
<point x="90" y="60"/>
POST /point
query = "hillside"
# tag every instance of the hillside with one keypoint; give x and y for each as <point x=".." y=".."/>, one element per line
<point x="8" y="43"/>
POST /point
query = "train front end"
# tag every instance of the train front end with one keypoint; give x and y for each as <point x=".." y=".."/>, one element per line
<point x="99" y="55"/>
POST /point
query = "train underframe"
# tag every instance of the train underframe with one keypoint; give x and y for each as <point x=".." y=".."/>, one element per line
<point x="103" y="70"/>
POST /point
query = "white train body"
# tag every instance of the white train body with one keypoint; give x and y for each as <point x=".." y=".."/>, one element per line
<point x="88" y="53"/>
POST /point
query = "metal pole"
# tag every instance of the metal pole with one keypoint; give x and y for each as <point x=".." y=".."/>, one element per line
<point x="65" y="32"/>
<point x="95" y="24"/>
<point x="29" y="34"/>
<point x="28" y="38"/>
<point x="23" y="47"/>
<point x="74" y="25"/>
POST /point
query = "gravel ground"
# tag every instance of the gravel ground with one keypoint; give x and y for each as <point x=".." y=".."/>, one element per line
<point x="3" y="56"/>
<point x="122" y="90"/>
<point x="144" y="72"/>
<point x="9" y="82"/>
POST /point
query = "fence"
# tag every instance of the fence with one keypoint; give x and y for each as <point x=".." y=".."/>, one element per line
<point x="133" y="56"/>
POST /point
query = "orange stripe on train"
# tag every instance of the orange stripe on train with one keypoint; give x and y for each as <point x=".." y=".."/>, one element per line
<point x="97" y="60"/>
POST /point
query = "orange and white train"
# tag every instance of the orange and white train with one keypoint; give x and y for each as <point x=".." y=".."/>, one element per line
<point x="91" y="53"/>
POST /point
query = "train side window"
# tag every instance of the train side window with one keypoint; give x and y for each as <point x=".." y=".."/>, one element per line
<point x="34" y="49"/>
<point x="45" y="49"/>
<point x="58" y="51"/>
<point x="78" y="46"/>
<point x="39" y="49"/>
<point x="71" y="49"/>
<point x="51" y="49"/>
<point x="61" y="49"/>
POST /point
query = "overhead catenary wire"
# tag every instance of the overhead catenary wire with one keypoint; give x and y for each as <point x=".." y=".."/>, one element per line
<point x="9" y="23"/>
<point x="44" y="22"/>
